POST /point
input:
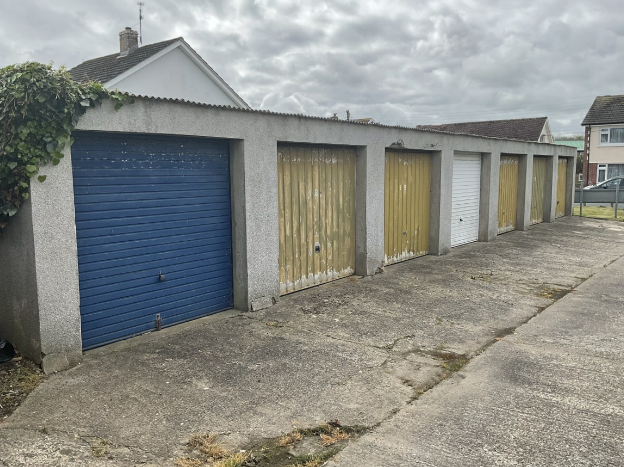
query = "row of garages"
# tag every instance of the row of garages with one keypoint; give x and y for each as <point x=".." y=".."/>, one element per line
<point x="166" y="223"/>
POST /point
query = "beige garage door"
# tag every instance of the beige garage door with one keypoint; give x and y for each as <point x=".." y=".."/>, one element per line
<point x="562" y="183"/>
<point x="406" y="205"/>
<point x="316" y="215"/>
<point x="538" y="189"/>
<point x="508" y="193"/>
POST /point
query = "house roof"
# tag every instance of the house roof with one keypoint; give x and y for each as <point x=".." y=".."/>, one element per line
<point x="524" y="129"/>
<point x="605" y="109"/>
<point x="104" y="69"/>
<point x="578" y="144"/>
<point x="109" y="67"/>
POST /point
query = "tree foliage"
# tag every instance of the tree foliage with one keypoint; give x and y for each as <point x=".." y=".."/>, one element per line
<point x="39" y="108"/>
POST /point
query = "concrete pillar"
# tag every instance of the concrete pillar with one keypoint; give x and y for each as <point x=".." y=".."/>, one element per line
<point x="550" y="190"/>
<point x="571" y="178"/>
<point x="370" y="165"/>
<point x="525" y="189"/>
<point x="239" y="228"/>
<point x="255" y="223"/>
<point x="56" y="267"/>
<point x="488" y="205"/>
<point x="441" y="202"/>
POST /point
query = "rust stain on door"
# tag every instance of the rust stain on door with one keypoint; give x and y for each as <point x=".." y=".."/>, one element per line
<point x="508" y="193"/>
<point x="316" y="197"/>
<point x="407" y="205"/>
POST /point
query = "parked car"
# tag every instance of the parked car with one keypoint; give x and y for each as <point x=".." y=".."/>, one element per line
<point x="612" y="183"/>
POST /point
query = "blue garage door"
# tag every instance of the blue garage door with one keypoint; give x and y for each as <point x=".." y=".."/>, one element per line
<point x="154" y="232"/>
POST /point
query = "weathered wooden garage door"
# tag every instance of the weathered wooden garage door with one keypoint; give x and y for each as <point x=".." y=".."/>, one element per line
<point x="562" y="183"/>
<point x="153" y="231"/>
<point x="466" y="198"/>
<point x="316" y="215"/>
<point x="406" y="204"/>
<point x="508" y="193"/>
<point x="538" y="189"/>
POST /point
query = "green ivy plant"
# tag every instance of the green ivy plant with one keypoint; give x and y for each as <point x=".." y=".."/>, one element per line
<point x="39" y="109"/>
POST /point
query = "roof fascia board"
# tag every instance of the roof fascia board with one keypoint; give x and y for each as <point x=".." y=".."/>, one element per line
<point x="143" y="64"/>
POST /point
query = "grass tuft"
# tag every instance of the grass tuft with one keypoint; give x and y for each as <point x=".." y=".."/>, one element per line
<point x="208" y="446"/>
<point x="291" y="438"/>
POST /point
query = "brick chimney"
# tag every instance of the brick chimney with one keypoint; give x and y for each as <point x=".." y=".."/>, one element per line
<point x="128" y="42"/>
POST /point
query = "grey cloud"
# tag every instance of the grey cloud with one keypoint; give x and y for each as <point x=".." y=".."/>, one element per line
<point x="397" y="61"/>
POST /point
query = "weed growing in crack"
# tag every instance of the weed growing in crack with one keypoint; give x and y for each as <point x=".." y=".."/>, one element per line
<point x="99" y="447"/>
<point x="208" y="451"/>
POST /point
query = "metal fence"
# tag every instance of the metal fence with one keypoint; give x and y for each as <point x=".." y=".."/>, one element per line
<point x="610" y="195"/>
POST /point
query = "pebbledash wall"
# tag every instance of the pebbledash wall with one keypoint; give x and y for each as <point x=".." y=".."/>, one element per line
<point x="39" y="288"/>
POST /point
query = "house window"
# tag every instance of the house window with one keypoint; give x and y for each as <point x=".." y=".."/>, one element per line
<point x="615" y="170"/>
<point x="612" y="136"/>
<point x="602" y="173"/>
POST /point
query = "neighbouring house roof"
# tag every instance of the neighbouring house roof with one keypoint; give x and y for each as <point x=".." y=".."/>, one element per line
<point x="107" y="68"/>
<point x="605" y="109"/>
<point x="578" y="144"/>
<point x="104" y="69"/>
<point x="524" y="129"/>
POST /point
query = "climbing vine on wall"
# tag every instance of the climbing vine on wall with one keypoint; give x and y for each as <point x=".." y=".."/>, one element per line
<point x="39" y="108"/>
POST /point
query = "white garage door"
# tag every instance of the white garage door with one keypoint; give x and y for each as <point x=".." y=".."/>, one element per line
<point x="466" y="194"/>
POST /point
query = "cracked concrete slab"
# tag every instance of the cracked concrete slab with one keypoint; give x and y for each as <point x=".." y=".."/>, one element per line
<point x="357" y="350"/>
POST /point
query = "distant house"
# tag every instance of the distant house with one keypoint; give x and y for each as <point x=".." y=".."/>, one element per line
<point x="604" y="139"/>
<point x="168" y="69"/>
<point x="523" y="129"/>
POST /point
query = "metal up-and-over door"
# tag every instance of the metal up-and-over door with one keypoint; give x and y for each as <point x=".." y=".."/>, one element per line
<point x="153" y="231"/>
<point x="508" y="193"/>
<point x="562" y="183"/>
<point x="406" y="206"/>
<point x="466" y="198"/>
<point x="316" y="200"/>
<point x="538" y="189"/>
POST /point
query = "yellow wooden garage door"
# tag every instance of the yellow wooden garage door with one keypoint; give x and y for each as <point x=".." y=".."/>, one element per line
<point x="538" y="189"/>
<point x="407" y="207"/>
<point x="562" y="183"/>
<point x="316" y="215"/>
<point x="508" y="193"/>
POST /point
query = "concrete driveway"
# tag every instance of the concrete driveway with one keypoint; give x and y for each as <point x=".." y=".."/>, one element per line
<point x="359" y="350"/>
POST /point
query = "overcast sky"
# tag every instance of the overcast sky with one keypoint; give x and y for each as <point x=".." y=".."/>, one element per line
<point x="399" y="61"/>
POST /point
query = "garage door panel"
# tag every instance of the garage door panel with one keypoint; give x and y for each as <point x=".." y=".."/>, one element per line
<point x="95" y="279"/>
<point x="406" y="205"/>
<point x="136" y="241"/>
<point x="122" y="266"/>
<point x="178" y="288"/>
<point x="146" y="190"/>
<point x="111" y="333"/>
<point x="145" y="205"/>
<point x="141" y="283"/>
<point x="181" y="304"/>
<point x="127" y="227"/>
<point x="129" y="240"/>
<point x="465" y="199"/>
<point x="116" y="196"/>
<point x="152" y="217"/>
<point x="508" y="193"/>
<point x="127" y="181"/>
<point x="538" y="189"/>
<point x="106" y="160"/>
<point x="218" y="199"/>
<point x="316" y="198"/>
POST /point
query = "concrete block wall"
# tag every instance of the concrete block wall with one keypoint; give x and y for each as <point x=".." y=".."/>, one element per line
<point x="52" y="326"/>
